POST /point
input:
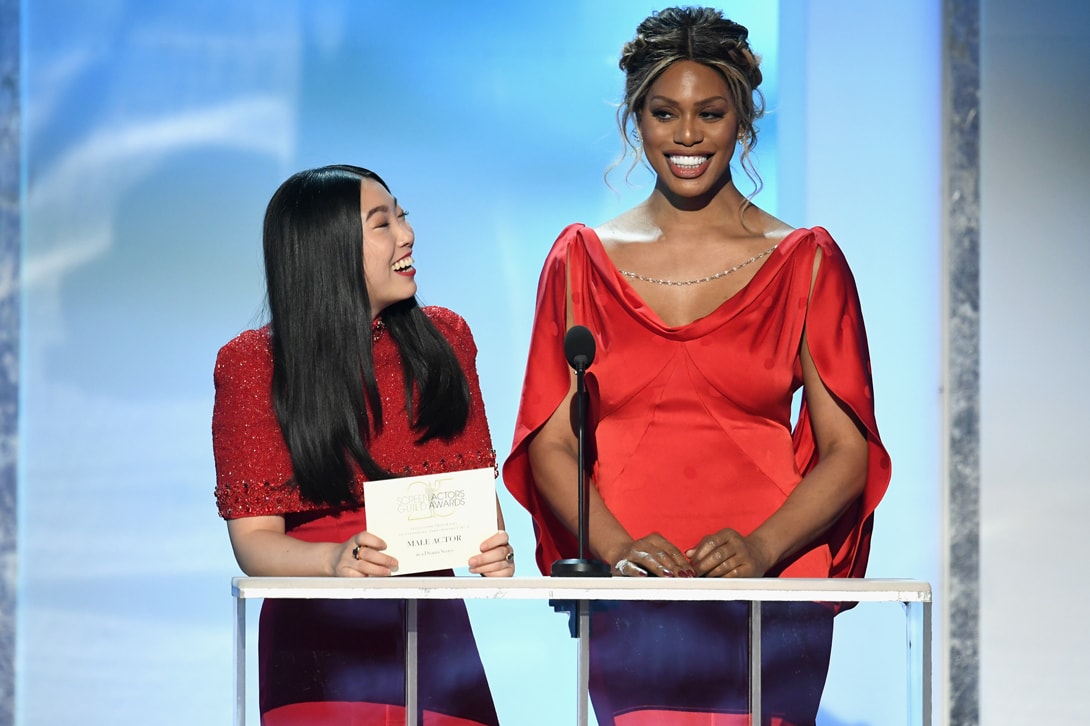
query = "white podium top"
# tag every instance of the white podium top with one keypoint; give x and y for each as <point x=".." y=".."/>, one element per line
<point x="582" y="588"/>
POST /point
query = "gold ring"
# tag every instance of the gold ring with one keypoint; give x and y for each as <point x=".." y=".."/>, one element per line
<point x="510" y="556"/>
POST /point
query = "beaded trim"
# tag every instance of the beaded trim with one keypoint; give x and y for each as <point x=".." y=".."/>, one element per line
<point x="709" y="278"/>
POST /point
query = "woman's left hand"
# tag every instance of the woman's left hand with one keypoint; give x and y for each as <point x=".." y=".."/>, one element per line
<point x="728" y="554"/>
<point x="497" y="558"/>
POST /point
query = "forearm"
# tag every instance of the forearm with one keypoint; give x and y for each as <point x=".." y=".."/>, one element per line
<point x="816" y="503"/>
<point x="827" y="490"/>
<point x="271" y="554"/>
<point x="556" y="475"/>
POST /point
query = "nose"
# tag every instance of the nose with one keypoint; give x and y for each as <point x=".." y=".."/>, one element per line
<point x="405" y="235"/>
<point x="688" y="131"/>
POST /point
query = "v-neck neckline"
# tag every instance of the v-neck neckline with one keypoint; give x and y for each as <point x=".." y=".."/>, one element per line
<point x="632" y="299"/>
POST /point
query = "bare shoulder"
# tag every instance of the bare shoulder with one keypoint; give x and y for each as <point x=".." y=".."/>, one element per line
<point x="635" y="225"/>
<point x="766" y="225"/>
<point x="778" y="233"/>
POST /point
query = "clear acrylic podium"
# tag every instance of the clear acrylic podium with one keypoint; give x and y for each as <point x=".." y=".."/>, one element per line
<point x="915" y="596"/>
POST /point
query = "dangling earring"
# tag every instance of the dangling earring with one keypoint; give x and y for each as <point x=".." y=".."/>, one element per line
<point x="635" y="134"/>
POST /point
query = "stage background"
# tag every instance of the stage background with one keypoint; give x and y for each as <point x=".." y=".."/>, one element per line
<point x="154" y="134"/>
<point x="1035" y="342"/>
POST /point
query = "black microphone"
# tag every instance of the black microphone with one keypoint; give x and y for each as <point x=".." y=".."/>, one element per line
<point x="579" y="347"/>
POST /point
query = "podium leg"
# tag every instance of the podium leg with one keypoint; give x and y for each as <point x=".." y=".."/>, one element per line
<point x="240" y="661"/>
<point x="918" y="616"/>
<point x="755" y="662"/>
<point x="410" y="663"/>
<point x="583" y="671"/>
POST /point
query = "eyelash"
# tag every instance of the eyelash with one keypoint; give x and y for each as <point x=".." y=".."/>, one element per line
<point x="663" y="115"/>
<point x="401" y="215"/>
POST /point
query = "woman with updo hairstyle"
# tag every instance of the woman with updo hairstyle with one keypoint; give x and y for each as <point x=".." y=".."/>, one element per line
<point x="350" y="381"/>
<point x="709" y="315"/>
<point x="702" y="35"/>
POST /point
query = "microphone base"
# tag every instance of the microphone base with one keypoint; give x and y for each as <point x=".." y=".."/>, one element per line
<point x="579" y="568"/>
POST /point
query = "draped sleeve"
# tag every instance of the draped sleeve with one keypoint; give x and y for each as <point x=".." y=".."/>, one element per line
<point x="838" y="344"/>
<point x="546" y="383"/>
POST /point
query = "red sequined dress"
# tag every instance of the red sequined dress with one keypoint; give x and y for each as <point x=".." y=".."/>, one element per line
<point x="692" y="431"/>
<point x="341" y="661"/>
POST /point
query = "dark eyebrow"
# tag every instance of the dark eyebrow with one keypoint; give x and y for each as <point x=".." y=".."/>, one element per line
<point x="379" y="208"/>
<point x="702" y="102"/>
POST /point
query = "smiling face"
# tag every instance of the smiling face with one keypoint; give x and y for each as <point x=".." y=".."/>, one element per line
<point x="387" y="247"/>
<point x="689" y="128"/>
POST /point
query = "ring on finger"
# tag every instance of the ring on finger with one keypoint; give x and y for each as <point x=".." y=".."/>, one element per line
<point x="356" y="552"/>
<point x="510" y="555"/>
<point x="624" y="566"/>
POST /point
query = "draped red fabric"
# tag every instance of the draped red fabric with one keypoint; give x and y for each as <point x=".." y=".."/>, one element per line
<point x="692" y="425"/>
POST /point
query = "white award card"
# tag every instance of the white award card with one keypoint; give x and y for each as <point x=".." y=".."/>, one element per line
<point x="432" y="522"/>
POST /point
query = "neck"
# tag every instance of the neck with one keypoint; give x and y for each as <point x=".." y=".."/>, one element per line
<point x="722" y="204"/>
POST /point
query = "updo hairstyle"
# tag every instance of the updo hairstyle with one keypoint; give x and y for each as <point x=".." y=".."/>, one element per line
<point x="705" y="36"/>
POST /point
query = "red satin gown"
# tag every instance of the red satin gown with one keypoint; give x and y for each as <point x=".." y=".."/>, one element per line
<point x="691" y="432"/>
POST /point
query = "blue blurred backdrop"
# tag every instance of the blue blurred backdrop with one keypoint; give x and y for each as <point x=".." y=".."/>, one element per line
<point x="154" y="134"/>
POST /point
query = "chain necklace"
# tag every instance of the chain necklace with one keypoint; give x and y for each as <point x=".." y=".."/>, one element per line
<point x="709" y="278"/>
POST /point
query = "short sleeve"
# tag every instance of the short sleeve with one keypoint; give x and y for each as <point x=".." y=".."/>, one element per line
<point x="253" y="465"/>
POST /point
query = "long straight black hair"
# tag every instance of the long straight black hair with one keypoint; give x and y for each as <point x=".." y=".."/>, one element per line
<point x="323" y="386"/>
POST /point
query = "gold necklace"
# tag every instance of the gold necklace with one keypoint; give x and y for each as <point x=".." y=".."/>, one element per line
<point x="709" y="278"/>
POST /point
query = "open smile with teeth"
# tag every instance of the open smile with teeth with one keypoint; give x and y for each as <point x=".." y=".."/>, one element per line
<point x="403" y="264"/>
<point x="687" y="162"/>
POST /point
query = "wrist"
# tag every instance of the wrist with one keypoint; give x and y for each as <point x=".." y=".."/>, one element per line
<point x="615" y="551"/>
<point x="764" y="548"/>
<point x="332" y="559"/>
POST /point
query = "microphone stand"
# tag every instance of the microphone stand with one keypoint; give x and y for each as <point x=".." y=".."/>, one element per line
<point x="581" y="566"/>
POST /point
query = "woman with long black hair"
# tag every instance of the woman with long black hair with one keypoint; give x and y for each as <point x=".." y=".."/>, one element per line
<point x="351" y="381"/>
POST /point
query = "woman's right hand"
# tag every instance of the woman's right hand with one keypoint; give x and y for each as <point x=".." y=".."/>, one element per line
<point x="652" y="554"/>
<point x="362" y="556"/>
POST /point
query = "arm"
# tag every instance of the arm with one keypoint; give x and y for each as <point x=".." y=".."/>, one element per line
<point x="251" y="459"/>
<point x="818" y="501"/>
<point x="554" y="459"/>
<point x="839" y="476"/>
<point x="264" y="550"/>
